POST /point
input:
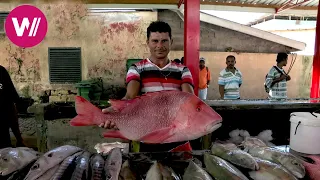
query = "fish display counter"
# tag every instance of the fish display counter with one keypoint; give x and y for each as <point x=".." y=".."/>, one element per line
<point x="254" y="160"/>
<point x="258" y="115"/>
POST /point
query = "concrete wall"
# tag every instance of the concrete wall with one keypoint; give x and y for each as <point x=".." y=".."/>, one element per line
<point x="218" y="39"/>
<point x="109" y="39"/>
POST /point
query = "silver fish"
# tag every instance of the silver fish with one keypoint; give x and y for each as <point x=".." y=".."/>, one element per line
<point x="13" y="159"/>
<point x="65" y="165"/>
<point x="290" y="162"/>
<point x="113" y="164"/>
<point x="97" y="166"/>
<point x="194" y="171"/>
<point x="234" y="155"/>
<point x="50" y="160"/>
<point x="271" y="171"/>
<point x="221" y="169"/>
<point x="82" y="167"/>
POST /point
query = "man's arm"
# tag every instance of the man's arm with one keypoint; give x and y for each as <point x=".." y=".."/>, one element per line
<point x="185" y="87"/>
<point x="133" y="89"/>
<point x="187" y="81"/>
<point x="221" y="91"/>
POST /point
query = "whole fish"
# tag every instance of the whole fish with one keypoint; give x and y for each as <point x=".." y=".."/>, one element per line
<point x="290" y="162"/>
<point x="126" y="173"/>
<point x="82" y="167"/>
<point x="65" y="167"/>
<point x="157" y="117"/>
<point x="313" y="168"/>
<point x="221" y="169"/>
<point x="50" y="160"/>
<point x="250" y="142"/>
<point x="14" y="159"/>
<point x="234" y="155"/>
<point x="113" y="164"/>
<point x="270" y="171"/>
<point x="194" y="171"/>
<point x="97" y="166"/>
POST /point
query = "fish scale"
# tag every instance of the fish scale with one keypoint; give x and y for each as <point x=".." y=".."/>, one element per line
<point x="157" y="117"/>
<point x="82" y="167"/>
<point x="97" y="167"/>
<point x="65" y="165"/>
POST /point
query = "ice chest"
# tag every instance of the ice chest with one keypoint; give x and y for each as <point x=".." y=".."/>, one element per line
<point x="305" y="132"/>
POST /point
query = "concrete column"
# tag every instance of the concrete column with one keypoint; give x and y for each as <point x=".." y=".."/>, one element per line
<point x="314" y="91"/>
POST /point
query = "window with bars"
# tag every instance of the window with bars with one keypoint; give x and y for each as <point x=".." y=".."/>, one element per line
<point x="64" y="65"/>
<point x="3" y="16"/>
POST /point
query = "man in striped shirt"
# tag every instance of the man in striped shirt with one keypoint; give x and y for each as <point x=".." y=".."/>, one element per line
<point x="276" y="81"/>
<point x="230" y="80"/>
<point x="156" y="73"/>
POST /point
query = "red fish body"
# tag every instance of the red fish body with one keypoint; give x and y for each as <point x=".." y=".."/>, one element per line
<point x="157" y="117"/>
<point x="313" y="169"/>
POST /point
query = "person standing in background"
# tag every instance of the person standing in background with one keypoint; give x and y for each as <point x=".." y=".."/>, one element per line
<point x="8" y="111"/>
<point x="230" y="80"/>
<point x="276" y="79"/>
<point x="204" y="79"/>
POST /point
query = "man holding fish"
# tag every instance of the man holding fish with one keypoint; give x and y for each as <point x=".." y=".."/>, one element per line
<point x="156" y="73"/>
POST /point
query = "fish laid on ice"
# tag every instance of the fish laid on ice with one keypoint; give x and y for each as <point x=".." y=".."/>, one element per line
<point x="179" y="116"/>
<point x="50" y="160"/>
<point x="97" y="166"/>
<point x="271" y="171"/>
<point x="234" y="155"/>
<point x="313" y="169"/>
<point x="66" y="167"/>
<point x="82" y="168"/>
<point x="221" y="169"/>
<point x="13" y="159"/>
<point x="126" y="173"/>
<point x="194" y="171"/>
<point x="250" y="142"/>
<point x="290" y="162"/>
<point x="113" y="164"/>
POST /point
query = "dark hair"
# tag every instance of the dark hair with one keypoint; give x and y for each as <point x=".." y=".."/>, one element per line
<point x="182" y="60"/>
<point x="281" y="57"/>
<point x="177" y="60"/>
<point x="230" y="56"/>
<point x="159" y="26"/>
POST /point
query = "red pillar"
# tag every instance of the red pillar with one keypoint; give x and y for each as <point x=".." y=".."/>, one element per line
<point x="191" y="39"/>
<point x="314" y="91"/>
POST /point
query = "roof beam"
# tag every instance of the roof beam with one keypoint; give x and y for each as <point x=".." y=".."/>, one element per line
<point x="289" y="5"/>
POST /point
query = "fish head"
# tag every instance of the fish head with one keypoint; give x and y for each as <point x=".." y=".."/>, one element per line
<point x="294" y="165"/>
<point x="202" y="119"/>
<point x="7" y="164"/>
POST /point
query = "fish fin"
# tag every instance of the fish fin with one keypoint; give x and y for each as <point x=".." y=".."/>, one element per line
<point x="184" y="147"/>
<point x="86" y="113"/>
<point x="160" y="136"/>
<point x="114" y="134"/>
<point x="118" y="105"/>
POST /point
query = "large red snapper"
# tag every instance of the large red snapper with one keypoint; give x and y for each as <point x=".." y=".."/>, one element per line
<point x="157" y="117"/>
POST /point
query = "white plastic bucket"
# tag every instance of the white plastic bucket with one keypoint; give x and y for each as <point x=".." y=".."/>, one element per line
<point x="305" y="132"/>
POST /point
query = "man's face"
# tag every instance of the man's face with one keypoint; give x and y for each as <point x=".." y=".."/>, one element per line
<point x="284" y="63"/>
<point x="202" y="64"/>
<point x="159" y="44"/>
<point x="230" y="62"/>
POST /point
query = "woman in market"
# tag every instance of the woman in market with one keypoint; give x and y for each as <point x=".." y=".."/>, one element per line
<point x="159" y="68"/>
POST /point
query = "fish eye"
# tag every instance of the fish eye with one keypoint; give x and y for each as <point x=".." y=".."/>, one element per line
<point x="295" y="163"/>
<point x="5" y="159"/>
<point x="35" y="166"/>
<point x="50" y="155"/>
<point x="198" y="109"/>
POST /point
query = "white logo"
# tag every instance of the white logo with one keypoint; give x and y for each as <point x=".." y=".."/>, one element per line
<point x="0" y="86"/>
<point x="26" y="24"/>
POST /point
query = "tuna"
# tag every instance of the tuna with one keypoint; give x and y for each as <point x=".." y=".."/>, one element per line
<point x="157" y="117"/>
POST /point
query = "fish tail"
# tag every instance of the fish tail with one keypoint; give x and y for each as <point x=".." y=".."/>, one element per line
<point x="88" y="114"/>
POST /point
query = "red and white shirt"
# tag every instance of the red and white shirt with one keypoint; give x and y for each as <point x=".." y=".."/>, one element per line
<point x="153" y="78"/>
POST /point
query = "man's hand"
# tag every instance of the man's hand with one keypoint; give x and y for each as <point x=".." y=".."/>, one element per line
<point x="283" y="77"/>
<point x="288" y="78"/>
<point x="108" y="124"/>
